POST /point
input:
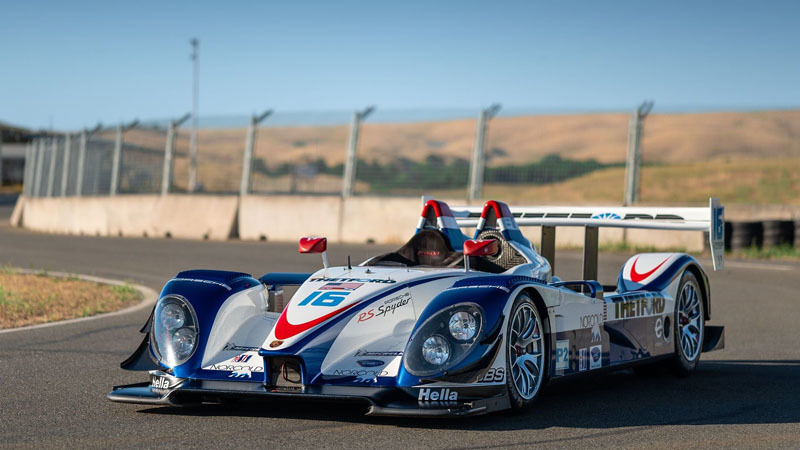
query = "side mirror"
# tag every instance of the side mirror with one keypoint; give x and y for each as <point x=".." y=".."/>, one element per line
<point x="310" y="244"/>
<point x="479" y="247"/>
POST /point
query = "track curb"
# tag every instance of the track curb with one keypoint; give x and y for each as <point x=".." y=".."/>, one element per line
<point x="149" y="297"/>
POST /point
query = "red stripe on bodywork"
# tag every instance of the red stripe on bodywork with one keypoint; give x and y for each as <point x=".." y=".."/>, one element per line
<point x="285" y="330"/>
<point x="637" y="277"/>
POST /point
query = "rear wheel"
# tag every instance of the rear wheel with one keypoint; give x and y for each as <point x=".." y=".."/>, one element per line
<point x="688" y="325"/>
<point x="526" y="353"/>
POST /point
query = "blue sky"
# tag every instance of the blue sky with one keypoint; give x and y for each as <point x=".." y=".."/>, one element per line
<point x="75" y="63"/>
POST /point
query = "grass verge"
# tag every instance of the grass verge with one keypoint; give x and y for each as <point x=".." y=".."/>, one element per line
<point x="28" y="299"/>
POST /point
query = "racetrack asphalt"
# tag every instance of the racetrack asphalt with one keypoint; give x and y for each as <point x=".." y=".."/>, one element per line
<point x="53" y="381"/>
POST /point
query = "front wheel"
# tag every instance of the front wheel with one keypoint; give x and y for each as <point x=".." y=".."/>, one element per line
<point x="688" y="325"/>
<point x="526" y="353"/>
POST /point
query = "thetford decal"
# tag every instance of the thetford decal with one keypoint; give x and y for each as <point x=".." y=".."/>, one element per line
<point x="354" y="280"/>
<point x="633" y="306"/>
<point x="562" y="355"/>
<point x="387" y="308"/>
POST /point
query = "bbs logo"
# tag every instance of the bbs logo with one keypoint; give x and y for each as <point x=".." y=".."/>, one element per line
<point x="494" y="376"/>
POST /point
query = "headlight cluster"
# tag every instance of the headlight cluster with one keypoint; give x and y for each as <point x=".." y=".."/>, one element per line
<point x="174" y="330"/>
<point x="444" y="339"/>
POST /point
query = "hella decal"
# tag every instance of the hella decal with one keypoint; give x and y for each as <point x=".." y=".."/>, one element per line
<point x="437" y="395"/>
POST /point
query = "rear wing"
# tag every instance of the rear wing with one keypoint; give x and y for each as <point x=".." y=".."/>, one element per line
<point x="711" y="219"/>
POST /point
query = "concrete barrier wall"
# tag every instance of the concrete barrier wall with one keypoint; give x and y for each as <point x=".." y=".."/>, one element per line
<point x="281" y="218"/>
<point x="179" y="216"/>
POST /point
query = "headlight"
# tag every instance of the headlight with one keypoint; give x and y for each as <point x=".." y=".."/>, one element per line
<point x="444" y="339"/>
<point x="463" y="326"/>
<point x="174" y="333"/>
<point x="436" y="350"/>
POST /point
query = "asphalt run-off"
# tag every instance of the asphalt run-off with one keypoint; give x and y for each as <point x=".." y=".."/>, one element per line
<point x="55" y="379"/>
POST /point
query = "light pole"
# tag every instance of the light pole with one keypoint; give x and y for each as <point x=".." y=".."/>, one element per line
<point x="247" y="159"/>
<point x="479" y="153"/>
<point x="193" y="139"/>
<point x="352" y="145"/>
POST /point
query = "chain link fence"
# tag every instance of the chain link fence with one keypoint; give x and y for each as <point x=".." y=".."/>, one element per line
<point x="685" y="158"/>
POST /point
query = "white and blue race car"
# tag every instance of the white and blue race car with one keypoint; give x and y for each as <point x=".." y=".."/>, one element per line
<point x="445" y="325"/>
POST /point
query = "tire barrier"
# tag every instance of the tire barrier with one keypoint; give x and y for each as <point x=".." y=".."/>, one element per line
<point x="778" y="232"/>
<point x="746" y="234"/>
<point x="766" y="234"/>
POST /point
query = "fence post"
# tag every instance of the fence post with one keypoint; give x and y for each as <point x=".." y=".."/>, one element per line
<point x="1" y="160"/>
<point x="65" y="163"/>
<point x="478" y="163"/>
<point x="348" y="180"/>
<point x="634" y="159"/>
<point x="51" y="173"/>
<point x="169" y="150"/>
<point x="247" y="158"/>
<point x="81" y="162"/>
<point x="116" y="162"/>
<point x="37" y="176"/>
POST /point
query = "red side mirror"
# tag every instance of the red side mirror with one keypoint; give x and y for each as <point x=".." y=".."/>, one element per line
<point x="480" y="247"/>
<point x="312" y="245"/>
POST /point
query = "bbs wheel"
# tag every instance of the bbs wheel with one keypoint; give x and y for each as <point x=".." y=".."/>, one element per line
<point x="688" y="325"/>
<point x="526" y="353"/>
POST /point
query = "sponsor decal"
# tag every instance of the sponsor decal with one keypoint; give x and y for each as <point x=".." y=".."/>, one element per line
<point x="160" y="383"/>
<point x="659" y="328"/>
<point x="428" y="253"/>
<point x="341" y="286"/>
<point x="242" y="358"/>
<point x="360" y="373"/>
<point x="235" y="368"/>
<point x="639" y="305"/>
<point x="593" y="321"/>
<point x="370" y="362"/>
<point x="388" y="307"/>
<point x="230" y="346"/>
<point x="355" y="280"/>
<point x="365" y="379"/>
<point x="244" y="373"/>
<point x="324" y="298"/>
<point x="437" y="395"/>
<point x="502" y="288"/>
<point x="378" y="353"/>
<point x="197" y="280"/>
<point x="606" y="215"/>
<point x="493" y="376"/>
<point x="562" y="355"/>
<point x="583" y="359"/>
<point x="636" y="277"/>
<point x="596" y="357"/>
<point x="274" y="344"/>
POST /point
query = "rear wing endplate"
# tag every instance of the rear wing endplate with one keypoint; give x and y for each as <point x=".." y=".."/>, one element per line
<point x="711" y="219"/>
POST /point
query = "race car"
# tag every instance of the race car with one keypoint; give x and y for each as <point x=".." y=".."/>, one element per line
<point x="446" y="325"/>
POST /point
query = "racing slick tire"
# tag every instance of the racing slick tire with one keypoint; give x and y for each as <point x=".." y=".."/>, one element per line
<point x="688" y="325"/>
<point x="527" y="353"/>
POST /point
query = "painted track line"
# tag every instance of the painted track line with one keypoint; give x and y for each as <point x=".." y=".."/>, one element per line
<point x="149" y="297"/>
